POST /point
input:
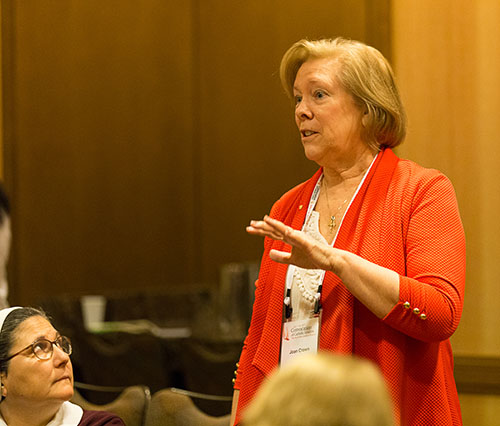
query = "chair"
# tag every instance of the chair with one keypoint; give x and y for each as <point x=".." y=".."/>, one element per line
<point x="131" y="404"/>
<point x="170" y="408"/>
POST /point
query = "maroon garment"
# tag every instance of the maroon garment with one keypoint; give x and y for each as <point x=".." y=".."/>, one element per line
<point x="98" y="418"/>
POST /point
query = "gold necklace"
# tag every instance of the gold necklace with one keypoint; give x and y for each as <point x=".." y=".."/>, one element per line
<point x="333" y="220"/>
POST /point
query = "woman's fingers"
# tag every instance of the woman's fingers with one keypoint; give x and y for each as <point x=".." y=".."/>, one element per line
<point x="265" y="228"/>
<point x="263" y="233"/>
<point x="278" y="228"/>
<point x="302" y="253"/>
<point x="269" y="227"/>
<point x="280" y="256"/>
<point x="305" y="252"/>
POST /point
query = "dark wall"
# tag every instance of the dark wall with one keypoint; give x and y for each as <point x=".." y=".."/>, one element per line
<point x="141" y="137"/>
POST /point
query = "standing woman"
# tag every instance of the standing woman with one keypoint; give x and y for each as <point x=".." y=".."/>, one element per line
<point x="368" y="256"/>
<point x="37" y="376"/>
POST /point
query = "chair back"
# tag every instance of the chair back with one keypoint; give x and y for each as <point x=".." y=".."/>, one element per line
<point x="131" y="404"/>
<point x="169" y="408"/>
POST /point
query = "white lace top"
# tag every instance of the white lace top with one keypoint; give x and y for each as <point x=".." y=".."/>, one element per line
<point x="305" y="281"/>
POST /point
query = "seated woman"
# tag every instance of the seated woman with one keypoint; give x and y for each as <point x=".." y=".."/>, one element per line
<point x="36" y="374"/>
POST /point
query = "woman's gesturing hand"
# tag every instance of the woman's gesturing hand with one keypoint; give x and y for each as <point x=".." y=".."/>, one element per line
<point x="306" y="252"/>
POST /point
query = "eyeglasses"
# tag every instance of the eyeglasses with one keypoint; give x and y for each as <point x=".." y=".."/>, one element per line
<point x="44" y="348"/>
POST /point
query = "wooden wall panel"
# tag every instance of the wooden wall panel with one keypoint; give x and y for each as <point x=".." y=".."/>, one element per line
<point x="102" y="145"/>
<point x="141" y="137"/>
<point x="250" y="149"/>
<point x="447" y="63"/>
<point x="448" y="71"/>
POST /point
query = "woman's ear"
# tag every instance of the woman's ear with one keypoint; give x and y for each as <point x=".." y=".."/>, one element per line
<point x="364" y="119"/>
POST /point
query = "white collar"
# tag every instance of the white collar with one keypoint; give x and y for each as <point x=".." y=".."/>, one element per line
<point x="68" y="415"/>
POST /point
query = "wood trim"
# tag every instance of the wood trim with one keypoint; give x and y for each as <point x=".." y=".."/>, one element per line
<point x="477" y="375"/>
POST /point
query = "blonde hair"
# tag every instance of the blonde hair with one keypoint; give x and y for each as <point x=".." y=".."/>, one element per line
<point x="322" y="390"/>
<point x="365" y="74"/>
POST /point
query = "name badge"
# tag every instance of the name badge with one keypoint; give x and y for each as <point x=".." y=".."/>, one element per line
<point x="299" y="337"/>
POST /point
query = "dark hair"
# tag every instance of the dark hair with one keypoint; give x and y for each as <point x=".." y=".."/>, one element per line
<point x="13" y="320"/>
<point x="4" y="204"/>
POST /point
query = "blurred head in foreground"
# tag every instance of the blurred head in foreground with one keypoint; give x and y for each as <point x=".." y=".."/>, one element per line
<point x="322" y="390"/>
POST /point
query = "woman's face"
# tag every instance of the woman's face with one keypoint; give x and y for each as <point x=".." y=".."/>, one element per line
<point x="33" y="380"/>
<point x="328" y="119"/>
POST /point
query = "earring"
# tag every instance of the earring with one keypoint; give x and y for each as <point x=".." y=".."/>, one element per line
<point x="2" y="389"/>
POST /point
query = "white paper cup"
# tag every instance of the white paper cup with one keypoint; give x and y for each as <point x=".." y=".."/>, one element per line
<point x="93" y="310"/>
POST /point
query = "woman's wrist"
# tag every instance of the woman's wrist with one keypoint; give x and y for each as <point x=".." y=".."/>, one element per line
<point x="337" y="261"/>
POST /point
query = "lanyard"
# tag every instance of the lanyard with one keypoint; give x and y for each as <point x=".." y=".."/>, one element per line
<point x="291" y="268"/>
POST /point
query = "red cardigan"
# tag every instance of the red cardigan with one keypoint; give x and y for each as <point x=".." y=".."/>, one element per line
<point x="405" y="218"/>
